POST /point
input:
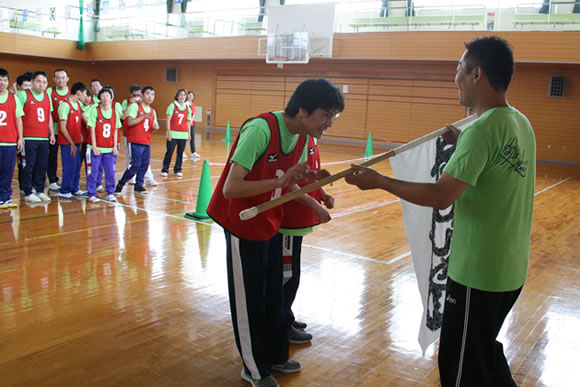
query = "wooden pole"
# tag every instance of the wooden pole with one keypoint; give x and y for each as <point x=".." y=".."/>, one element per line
<point x="253" y="211"/>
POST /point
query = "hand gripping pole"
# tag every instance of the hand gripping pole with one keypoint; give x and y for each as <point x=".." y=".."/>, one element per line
<point x="253" y="211"/>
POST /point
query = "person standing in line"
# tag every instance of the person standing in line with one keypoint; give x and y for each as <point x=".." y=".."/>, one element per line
<point x="70" y="116"/>
<point x="96" y="86"/>
<point x="190" y="102"/>
<point x="57" y="95"/>
<point x="136" y="96"/>
<point x="142" y="120"/>
<point x="119" y="111"/>
<point x="104" y="122"/>
<point x="38" y="132"/>
<point x="135" y="92"/>
<point x="23" y="82"/>
<point x="490" y="178"/>
<point x="267" y="159"/>
<point x="85" y="102"/>
<point x="178" y="122"/>
<point x="11" y="140"/>
<point x="298" y="222"/>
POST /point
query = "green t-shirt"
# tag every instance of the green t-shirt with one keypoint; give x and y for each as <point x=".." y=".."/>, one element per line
<point x="92" y="115"/>
<point x="49" y="91"/>
<point x="178" y="135"/>
<point x="254" y="140"/>
<point x="298" y="231"/>
<point x="64" y="110"/>
<point x="496" y="156"/>
<point x="22" y="96"/>
<point x="134" y="110"/>
<point x="19" y="112"/>
<point x="96" y="100"/>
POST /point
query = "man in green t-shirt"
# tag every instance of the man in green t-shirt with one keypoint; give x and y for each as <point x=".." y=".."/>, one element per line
<point x="490" y="178"/>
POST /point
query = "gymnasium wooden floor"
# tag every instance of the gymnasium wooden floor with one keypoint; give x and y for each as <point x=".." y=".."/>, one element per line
<point x="134" y="294"/>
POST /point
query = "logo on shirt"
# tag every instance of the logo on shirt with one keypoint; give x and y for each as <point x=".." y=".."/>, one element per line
<point x="512" y="157"/>
<point x="273" y="157"/>
<point x="101" y="120"/>
<point x="32" y="102"/>
<point x="311" y="151"/>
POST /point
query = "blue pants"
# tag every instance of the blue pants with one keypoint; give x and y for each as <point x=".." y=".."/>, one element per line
<point x="34" y="173"/>
<point x="7" y="162"/>
<point x="71" y="169"/>
<point x="140" y="155"/>
<point x="104" y="161"/>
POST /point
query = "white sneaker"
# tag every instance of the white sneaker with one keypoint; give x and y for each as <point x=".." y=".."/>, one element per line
<point x="65" y="195"/>
<point x="100" y="188"/>
<point x="164" y="174"/>
<point x="80" y="192"/>
<point x="22" y="192"/>
<point x="150" y="182"/>
<point x="184" y="156"/>
<point x="195" y="155"/>
<point x="54" y="186"/>
<point x="94" y="199"/>
<point x="133" y="180"/>
<point x="32" y="198"/>
<point x="111" y="198"/>
<point x="42" y="196"/>
<point x="178" y="174"/>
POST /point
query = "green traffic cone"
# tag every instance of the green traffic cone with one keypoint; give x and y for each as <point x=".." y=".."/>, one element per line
<point x="203" y="196"/>
<point x="369" y="148"/>
<point x="228" y="137"/>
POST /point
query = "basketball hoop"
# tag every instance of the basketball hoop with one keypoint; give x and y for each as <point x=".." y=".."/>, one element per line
<point x="280" y="60"/>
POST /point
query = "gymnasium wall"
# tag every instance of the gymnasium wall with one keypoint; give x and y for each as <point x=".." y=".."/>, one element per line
<point x="396" y="100"/>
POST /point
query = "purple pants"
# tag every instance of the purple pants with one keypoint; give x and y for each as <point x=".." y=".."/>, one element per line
<point x="108" y="162"/>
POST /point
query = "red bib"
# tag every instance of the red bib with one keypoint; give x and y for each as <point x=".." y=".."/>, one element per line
<point x="272" y="164"/>
<point x="36" y="116"/>
<point x="8" y="128"/>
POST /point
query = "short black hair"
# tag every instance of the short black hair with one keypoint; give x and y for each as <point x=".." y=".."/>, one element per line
<point x="146" y="88"/>
<point x="37" y="73"/>
<point x="78" y="86"/>
<point x="313" y="94"/>
<point x="57" y="70"/>
<point x="23" y="78"/>
<point x="96" y="80"/>
<point x="494" y="55"/>
<point x="134" y="88"/>
<point x="4" y="73"/>
<point x="107" y="89"/>
<point x="179" y="91"/>
<point x="111" y="88"/>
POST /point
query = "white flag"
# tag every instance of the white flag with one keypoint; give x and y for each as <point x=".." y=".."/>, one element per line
<point x="428" y="229"/>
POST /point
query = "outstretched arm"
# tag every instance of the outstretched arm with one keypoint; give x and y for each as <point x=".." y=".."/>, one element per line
<point x="440" y="195"/>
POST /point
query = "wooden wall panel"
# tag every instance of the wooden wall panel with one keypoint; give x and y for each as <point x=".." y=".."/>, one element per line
<point x="232" y="107"/>
<point x="352" y="123"/>
<point x="389" y="121"/>
<point x="17" y="64"/>
<point x="38" y="46"/>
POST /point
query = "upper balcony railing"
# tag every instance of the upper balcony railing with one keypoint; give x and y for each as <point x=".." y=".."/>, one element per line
<point x="152" y="21"/>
